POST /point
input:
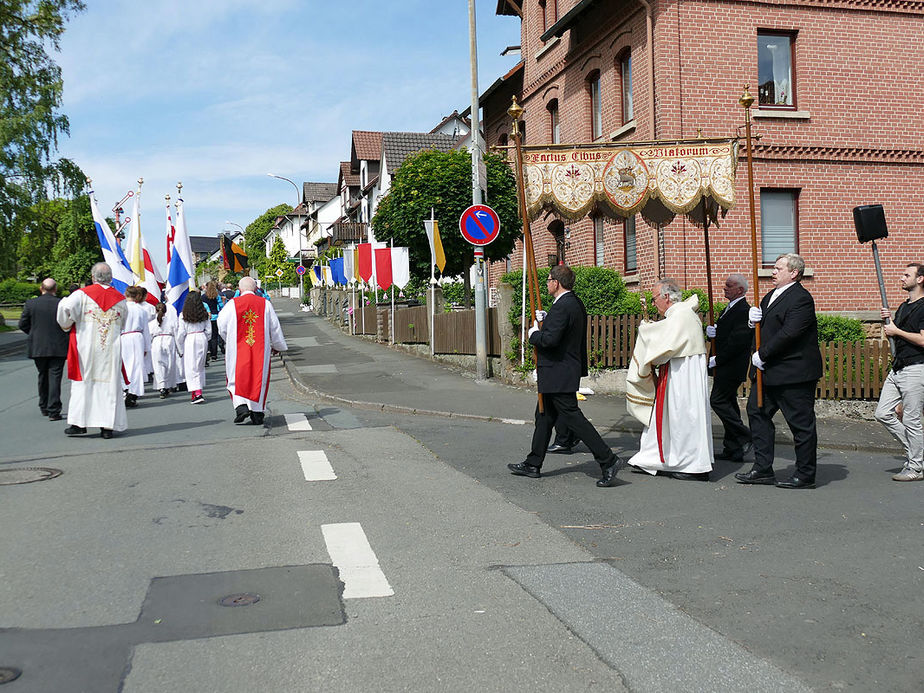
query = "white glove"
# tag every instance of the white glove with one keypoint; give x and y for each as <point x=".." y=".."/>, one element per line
<point x="710" y="331"/>
<point x="712" y="361"/>
<point x="540" y="315"/>
<point x="534" y="328"/>
<point x="755" y="359"/>
<point x="755" y="315"/>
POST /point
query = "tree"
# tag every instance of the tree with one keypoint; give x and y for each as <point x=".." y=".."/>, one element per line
<point x="37" y="229"/>
<point x="76" y="249"/>
<point x="255" y="233"/>
<point x="279" y="260"/>
<point x="30" y="122"/>
<point x="443" y="181"/>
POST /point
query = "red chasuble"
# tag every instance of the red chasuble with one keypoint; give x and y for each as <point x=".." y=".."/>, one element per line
<point x="103" y="296"/>
<point x="250" y="310"/>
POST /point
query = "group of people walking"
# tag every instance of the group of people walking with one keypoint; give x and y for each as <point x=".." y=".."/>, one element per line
<point x="667" y="383"/>
<point x="112" y="342"/>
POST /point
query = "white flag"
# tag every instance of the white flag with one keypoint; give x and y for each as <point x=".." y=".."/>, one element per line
<point x="400" y="267"/>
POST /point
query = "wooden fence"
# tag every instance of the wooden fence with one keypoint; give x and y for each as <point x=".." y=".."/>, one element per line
<point x="454" y="333"/>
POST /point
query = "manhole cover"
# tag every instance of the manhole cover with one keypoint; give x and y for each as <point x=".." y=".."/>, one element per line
<point x="243" y="599"/>
<point x="8" y="674"/>
<point x="26" y="475"/>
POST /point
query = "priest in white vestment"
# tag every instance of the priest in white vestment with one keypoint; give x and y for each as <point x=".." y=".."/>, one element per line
<point x="251" y="330"/>
<point x="135" y="343"/>
<point x="94" y="316"/>
<point x="667" y="389"/>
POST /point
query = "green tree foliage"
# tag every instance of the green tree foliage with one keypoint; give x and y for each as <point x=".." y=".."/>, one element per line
<point x="30" y="120"/>
<point x="76" y="249"/>
<point x="37" y="228"/>
<point x="279" y="260"/>
<point x="255" y="233"/>
<point x="443" y="181"/>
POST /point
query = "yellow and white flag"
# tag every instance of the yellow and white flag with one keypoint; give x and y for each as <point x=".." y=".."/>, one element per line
<point x="437" y="256"/>
<point x="135" y="251"/>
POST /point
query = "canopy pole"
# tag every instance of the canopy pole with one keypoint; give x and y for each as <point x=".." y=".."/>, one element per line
<point x="712" y="350"/>
<point x="535" y="300"/>
<point x="746" y="101"/>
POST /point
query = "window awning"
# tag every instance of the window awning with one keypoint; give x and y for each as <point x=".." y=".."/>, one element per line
<point x="659" y="180"/>
<point x="567" y="20"/>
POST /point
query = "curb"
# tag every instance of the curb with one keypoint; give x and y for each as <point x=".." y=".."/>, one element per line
<point x="297" y="382"/>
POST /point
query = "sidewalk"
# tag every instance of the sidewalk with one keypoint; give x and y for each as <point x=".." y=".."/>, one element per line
<point x="12" y="342"/>
<point x="357" y="372"/>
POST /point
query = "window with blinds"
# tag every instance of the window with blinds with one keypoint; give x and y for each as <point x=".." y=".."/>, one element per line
<point x="598" y="241"/>
<point x="779" y="227"/>
<point x="631" y="256"/>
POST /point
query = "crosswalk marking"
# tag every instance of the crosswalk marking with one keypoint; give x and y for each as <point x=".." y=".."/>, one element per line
<point x="350" y="551"/>
<point x="316" y="466"/>
<point x="297" y="422"/>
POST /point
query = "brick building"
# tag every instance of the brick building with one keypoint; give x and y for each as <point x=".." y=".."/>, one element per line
<point x="831" y="79"/>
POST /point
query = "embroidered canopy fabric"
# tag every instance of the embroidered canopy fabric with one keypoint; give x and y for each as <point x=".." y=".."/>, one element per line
<point x="657" y="179"/>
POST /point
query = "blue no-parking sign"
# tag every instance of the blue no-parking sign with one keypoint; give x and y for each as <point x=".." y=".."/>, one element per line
<point x="479" y="225"/>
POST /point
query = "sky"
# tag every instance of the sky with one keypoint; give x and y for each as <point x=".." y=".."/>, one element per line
<point x="218" y="93"/>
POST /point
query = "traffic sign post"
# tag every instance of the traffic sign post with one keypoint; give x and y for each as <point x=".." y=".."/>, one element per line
<point x="480" y="225"/>
<point x="300" y="270"/>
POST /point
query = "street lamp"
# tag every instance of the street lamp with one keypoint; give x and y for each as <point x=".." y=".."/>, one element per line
<point x="298" y="201"/>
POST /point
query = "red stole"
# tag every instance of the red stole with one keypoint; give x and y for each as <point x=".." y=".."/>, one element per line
<point x="660" y="397"/>
<point x="250" y="311"/>
<point x="105" y="297"/>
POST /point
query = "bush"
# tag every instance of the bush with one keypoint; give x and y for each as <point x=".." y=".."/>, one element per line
<point x="13" y="291"/>
<point x="453" y="293"/>
<point x="835" y="328"/>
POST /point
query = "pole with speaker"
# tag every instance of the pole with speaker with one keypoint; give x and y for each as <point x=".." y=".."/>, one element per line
<point x="870" y="223"/>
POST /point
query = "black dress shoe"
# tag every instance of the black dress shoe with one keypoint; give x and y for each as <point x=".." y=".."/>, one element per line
<point x="74" y="431"/>
<point x="54" y="417"/>
<point x="256" y="418"/>
<point x="730" y="456"/>
<point x="105" y="433"/>
<point x="755" y="477"/>
<point x="559" y="449"/>
<point x="523" y="469"/>
<point x="796" y="482"/>
<point x="241" y="413"/>
<point x="609" y="472"/>
<point x="686" y="476"/>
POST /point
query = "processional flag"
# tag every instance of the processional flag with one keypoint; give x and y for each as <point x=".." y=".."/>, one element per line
<point x="153" y="281"/>
<point x="135" y="246"/>
<point x="348" y="270"/>
<point x="112" y="252"/>
<point x="336" y="270"/>
<point x="400" y="267"/>
<point x="437" y="256"/>
<point x="233" y="256"/>
<point x="180" y="272"/>
<point x="365" y="261"/>
<point x="383" y="268"/>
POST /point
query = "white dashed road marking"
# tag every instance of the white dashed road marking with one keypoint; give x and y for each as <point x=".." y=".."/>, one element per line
<point x="297" y="422"/>
<point x="316" y="466"/>
<point x="359" y="568"/>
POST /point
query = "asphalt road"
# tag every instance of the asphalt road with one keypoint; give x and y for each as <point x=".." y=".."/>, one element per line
<point x="111" y="573"/>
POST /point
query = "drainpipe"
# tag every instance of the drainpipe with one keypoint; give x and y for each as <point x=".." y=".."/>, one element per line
<point x="651" y="79"/>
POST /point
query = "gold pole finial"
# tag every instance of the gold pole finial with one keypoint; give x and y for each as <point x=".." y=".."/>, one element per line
<point x="516" y="110"/>
<point x="167" y="198"/>
<point x="140" y="182"/>
<point x="179" y="186"/>
<point x="746" y="99"/>
<point x="89" y="181"/>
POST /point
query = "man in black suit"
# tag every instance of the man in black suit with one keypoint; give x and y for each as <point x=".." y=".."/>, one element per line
<point x="47" y="345"/>
<point x="730" y="367"/>
<point x="791" y="363"/>
<point x="561" y="344"/>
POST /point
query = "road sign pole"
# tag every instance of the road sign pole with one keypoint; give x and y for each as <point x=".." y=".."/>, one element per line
<point x="481" y="350"/>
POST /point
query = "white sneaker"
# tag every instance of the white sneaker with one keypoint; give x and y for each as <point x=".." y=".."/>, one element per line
<point x="908" y="475"/>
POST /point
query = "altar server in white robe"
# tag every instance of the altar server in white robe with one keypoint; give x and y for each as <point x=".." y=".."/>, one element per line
<point x="192" y="339"/>
<point x="136" y="341"/>
<point x="95" y="315"/>
<point x="251" y="331"/>
<point x="163" y="348"/>
<point x="667" y="389"/>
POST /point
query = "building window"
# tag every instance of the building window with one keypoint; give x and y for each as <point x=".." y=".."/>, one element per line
<point x="553" y="121"/>
<point x="596" y="106"/>
<point x="776" y="69"/>
<point x="625" y="74"/>
<point x="598" y="241"/>
<point x="779" y="223"/>
<point x="628" y="227"/>
<point x="548" y="10"/>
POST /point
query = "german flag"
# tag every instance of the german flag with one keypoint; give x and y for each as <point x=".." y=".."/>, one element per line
<point x="234" y="257"/>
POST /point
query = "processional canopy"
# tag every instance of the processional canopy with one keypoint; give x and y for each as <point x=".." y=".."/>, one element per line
<point x="659" y="180"/>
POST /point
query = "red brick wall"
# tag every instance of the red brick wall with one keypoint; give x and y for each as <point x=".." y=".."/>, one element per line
<point x="857" y="74"/>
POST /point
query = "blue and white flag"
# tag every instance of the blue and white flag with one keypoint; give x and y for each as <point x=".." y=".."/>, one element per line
<point x="112" y="252"/>
<point x="181" y="272"/>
